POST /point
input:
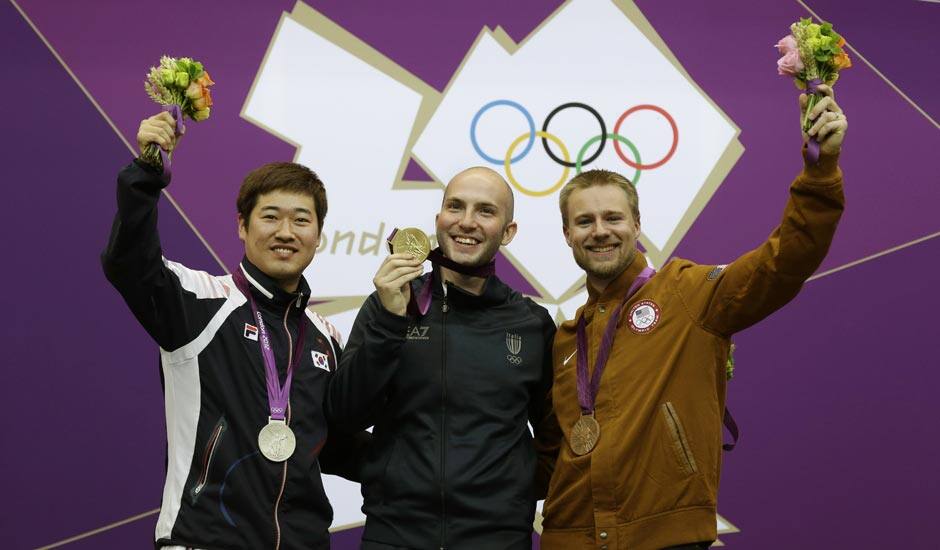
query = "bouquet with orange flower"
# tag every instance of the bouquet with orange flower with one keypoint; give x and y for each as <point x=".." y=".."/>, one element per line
<point x="181" y="86"/>
<point x="812" y="55"/>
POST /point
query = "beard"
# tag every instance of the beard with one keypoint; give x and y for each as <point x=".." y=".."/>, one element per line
<point x="604" y="270"/>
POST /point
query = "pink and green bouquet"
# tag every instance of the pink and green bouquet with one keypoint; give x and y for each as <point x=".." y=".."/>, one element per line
<point x="812" y="54"/>
<point x="181" y="86"/>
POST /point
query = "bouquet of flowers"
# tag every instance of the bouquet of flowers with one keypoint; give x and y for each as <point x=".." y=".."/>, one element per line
<point x="812" y="55"/>
<point x="181" y="86"/>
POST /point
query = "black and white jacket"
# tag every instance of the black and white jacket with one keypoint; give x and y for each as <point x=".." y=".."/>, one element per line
<point x="220" y="492"/>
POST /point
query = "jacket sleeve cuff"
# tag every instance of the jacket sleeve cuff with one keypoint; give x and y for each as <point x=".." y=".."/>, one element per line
<point x="824" y="171"/>
<point x="391" y="324"/>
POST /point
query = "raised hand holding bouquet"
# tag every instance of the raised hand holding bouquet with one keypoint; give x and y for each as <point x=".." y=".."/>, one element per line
<point x="181" y="86"/>
<point x="812" y="55"/>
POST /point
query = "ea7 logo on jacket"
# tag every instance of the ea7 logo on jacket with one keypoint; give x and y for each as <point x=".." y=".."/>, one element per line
<point x="418" y="333"/>
<point x="514" y="345"/>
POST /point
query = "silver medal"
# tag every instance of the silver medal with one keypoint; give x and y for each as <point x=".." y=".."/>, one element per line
<point x="276" y="441"/>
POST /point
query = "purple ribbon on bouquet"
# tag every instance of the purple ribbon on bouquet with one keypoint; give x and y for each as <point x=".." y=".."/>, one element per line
<point x="812" y="146"/>
<point x="179" y="130"/>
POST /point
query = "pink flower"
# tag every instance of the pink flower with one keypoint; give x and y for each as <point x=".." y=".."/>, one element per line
<point x="787" y="44"/>
<point x="790" y="64"/>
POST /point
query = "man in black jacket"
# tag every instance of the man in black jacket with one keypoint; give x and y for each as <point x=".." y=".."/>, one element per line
<point x="245" y="363"/>
<point x="449" y="368"/>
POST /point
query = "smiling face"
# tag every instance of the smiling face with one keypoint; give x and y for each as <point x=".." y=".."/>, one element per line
<point x="281" y="235"/>
<point x="475" y="217"/>
<point x="601" y="231"/>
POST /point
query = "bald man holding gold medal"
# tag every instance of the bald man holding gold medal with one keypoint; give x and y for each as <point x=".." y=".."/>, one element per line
<point x="449" y="368"/>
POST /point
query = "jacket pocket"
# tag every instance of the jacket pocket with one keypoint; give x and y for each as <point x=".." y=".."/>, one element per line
<point x="215" y="438"/>
<point x="680" y="443"/>
<point x="386" y="495"/>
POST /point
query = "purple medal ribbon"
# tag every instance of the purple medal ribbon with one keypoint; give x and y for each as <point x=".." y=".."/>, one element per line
<point x="179" y="130"/>
<point x="422" y="302"/>
<point x="277" y="395"/>
<point x="587" y="393"/>
<point x="812" y="146"/>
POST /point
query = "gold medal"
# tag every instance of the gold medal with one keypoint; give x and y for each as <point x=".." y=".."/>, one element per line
<point x="584" y="434"/>
<point x="411" y="240"/>
<point x="276" y="441"/>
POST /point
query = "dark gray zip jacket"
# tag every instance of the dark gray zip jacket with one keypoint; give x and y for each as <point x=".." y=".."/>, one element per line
<point x="452" y="462"/>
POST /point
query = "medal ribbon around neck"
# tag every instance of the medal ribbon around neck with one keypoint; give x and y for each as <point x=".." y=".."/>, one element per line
<point x="587" y="392"/>
<point x="422" y="301"/>
<point x="278" y="395"/>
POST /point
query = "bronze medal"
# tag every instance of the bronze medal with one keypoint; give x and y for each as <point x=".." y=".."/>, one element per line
<point x="411" y="240"/>
<point x="276" y="441"/>
<point x="584" y="434"/>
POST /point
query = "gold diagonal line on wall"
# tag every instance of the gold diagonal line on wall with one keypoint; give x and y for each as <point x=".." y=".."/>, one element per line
<point x="877" y="72"/>
<point x="94" y="532"/>
<point x="116" y="131"/>
<point x="874" y="256"/>
<point x="169" y="198"/>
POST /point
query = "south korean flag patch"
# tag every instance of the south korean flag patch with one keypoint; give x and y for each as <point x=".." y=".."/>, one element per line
<point x="321" y="360"/>
<point x="643" y="316"/>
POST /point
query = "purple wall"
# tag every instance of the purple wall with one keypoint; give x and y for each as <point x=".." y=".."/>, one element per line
<point x="833" y="393"/>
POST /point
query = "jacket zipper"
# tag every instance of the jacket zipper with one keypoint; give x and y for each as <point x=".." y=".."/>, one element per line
<point x="211" y="447"/>
<point x="280" y="494"/>
<point x="444" y="309"/>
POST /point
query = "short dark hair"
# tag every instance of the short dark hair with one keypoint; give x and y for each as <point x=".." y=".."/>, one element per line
<point x="281" y="176"/>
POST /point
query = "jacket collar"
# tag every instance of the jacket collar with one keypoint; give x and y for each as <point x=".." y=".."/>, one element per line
<point x="615" y="289"/>
<point x="266" y="289"/>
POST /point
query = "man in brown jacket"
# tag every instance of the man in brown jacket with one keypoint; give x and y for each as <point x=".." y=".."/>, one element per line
<point x="640" y="372"/>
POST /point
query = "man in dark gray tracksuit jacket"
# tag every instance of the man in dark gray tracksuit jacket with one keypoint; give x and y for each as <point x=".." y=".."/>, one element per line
<point x="450" y="391"/>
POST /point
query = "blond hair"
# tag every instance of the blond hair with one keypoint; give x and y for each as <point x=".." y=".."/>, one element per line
<point x="593" y="178"/>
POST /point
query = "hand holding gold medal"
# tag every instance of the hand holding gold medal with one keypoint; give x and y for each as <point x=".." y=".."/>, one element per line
<point x="409" y="249"/>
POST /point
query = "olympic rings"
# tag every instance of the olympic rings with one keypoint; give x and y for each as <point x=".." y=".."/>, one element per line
<point x="561" y="108"/>
<point x="490" y="105"/>
<point x="616" y="138"/>
<point x="672" y="149"/>
<point x="508" y="162"/>
<point x="580" y="162"/>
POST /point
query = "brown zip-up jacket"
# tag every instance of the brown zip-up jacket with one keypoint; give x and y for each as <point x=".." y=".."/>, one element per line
<point x="652" y="480"/>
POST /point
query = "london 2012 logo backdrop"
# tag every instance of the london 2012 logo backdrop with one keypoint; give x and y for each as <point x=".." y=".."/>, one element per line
<point x="538" y="112"/>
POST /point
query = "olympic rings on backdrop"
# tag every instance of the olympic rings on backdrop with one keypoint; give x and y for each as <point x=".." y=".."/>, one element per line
<point x="580" y="161"/>
<point x="672" y="148"/>
<point x="508" y="162"/>
<point x="561" y="108"/>
<point x="487" y="107"/>
<point x="616" y="138"/>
